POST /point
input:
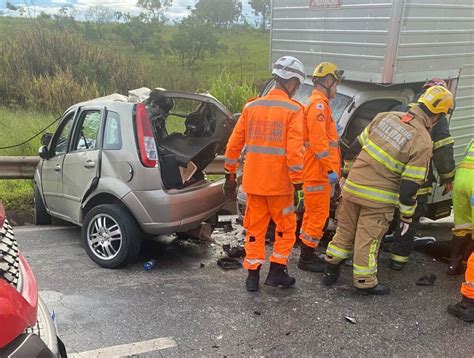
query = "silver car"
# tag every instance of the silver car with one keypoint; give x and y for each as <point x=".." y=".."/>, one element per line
<point x="124" y="166"/>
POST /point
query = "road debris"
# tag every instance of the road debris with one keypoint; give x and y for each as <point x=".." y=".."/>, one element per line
<point x="426" y="280"/>
<point x="257" y="313"/>
<point x="228" y="263"/>
<point x="350" y="319"/>
<point x="233" y="251"/>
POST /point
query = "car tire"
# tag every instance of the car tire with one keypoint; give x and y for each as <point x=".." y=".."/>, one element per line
<point x="41" y="214"/>
<point x="45" y="328"/>
<point x="111" y="236"/>
<point x="9" y="256"/>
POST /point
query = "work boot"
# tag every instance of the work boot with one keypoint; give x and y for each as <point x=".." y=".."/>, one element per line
<point x="252" y="283"/>
<point x="278" y="276"/>
<point x="377" y="290"/>
<point x="463" y="309"/>
<point x="331" y="274"/>
<point x="458" y="247"/>
<point x="397" y="266"/>
<point x="309" y="260"/>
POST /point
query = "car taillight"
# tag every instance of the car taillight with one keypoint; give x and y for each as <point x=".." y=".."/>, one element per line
<point x="146" y="140"/>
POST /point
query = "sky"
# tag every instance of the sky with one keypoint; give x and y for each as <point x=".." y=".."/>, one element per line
<point x="176" y="12"/>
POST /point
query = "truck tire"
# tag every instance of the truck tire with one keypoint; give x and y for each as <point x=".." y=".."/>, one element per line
<point x="9" y="257"/>
<point x="41" y="215"/>
<point x="111" y="236"/>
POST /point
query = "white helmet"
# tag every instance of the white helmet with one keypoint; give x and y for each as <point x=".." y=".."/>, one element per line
<point x="287" y="67"/>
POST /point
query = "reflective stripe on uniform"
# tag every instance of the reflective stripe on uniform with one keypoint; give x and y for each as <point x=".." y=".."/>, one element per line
<point x="333" y="144"/>
<point x="288" y="210"/>
<point x="373" y="254"/>
<point x="322" y="154"/>
<point x="364" y="270"/>
<point x="295" y="168"/>
<point x="399" y="258"/>
<point x="306" y="144"/>
<point x="312" y="189"/>
<point x="262" y="149"/>
<point x="231" y="161"/>
<point x="364" y="136"/>
<point x="407" y="210"/>
<point x="272" y="103"/>
<point x="462" y="226"/>
<point x="279" y="256"/>
<point x="411" y="171"/>
<point x="309" y="238"/>
<point x="370" y="193"/>
<point x="333" y="250"/>
<point x="255" y="261"/>
<point x="442" y="142"/>
<point x="446" y="175"/>
<point x="424" y="191"/>
<point x="470" y="284"/>
<point x="383" y="157"/>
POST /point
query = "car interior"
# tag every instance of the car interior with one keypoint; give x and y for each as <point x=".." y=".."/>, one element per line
<point x="362" y="117"/>
<point x="189" y="135"/>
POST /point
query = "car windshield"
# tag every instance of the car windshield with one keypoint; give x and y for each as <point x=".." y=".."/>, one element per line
<point x="338" y="103"/>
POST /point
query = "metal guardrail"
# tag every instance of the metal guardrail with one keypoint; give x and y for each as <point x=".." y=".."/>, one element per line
<point x="24" y="167"/>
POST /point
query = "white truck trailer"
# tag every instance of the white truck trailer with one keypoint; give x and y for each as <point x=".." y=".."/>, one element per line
<point x="388" y="49"/>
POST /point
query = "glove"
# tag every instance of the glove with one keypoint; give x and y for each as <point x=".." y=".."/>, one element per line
<point x="404" y="228"/>
<point x="230" y="186"/>
<point x="298" y="198"/>
<point x="447" y="188"/>
<point x="333" y="177"/>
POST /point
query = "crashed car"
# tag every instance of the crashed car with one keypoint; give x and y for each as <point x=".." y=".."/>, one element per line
<point x="128" y="167"/>
<point x="26" y="326"/>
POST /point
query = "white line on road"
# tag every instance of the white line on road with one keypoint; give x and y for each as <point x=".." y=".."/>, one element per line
<point x="127" y="350"/>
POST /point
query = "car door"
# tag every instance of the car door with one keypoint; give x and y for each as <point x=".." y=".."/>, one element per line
<point x="81" y="163"/>
<point x="52" y="168"/>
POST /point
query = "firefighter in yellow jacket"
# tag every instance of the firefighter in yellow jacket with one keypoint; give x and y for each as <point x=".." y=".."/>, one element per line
<point x="392" y="155"/>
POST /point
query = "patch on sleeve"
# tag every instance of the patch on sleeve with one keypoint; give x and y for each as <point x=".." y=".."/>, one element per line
<point x="321" y="117"/>
<point x="319" y="106"/>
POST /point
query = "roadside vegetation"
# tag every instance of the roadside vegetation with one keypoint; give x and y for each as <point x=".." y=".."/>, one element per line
<point x="49" y="62"/>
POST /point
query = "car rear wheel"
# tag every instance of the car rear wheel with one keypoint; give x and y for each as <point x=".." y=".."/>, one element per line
<point x="111" y="236"/>
<point x="41" y="215"/>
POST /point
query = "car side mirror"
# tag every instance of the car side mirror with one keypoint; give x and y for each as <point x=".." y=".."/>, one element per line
<point x="43" y="152"/>
<point x="46" y="138"/>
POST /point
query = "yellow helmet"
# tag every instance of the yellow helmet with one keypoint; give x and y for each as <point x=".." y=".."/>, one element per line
<point x="438" y="100"/>
<point x="328" y="68"/>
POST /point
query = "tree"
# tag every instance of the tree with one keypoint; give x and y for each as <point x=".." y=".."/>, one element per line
<point x="193" y="41"/>
<point x="261" y="8"/>
<point x="100" y="15"/>
<point x="155" y="8"/>
<point x="138" y="32"/>
<point x="220" y="13"/>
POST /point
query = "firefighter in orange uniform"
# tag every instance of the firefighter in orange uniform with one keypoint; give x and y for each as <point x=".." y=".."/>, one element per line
<point x="322" y="163"/>
<point x="270" y="128"/>
<point x="391" y="158"/>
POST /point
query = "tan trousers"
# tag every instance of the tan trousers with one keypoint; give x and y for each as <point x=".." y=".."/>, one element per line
<point x="360" y="229"/>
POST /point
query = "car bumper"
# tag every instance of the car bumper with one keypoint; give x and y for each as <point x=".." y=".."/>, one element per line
<point x="160" y="212"/>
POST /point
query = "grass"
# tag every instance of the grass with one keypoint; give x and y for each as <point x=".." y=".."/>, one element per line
<point x="17" y="126"/>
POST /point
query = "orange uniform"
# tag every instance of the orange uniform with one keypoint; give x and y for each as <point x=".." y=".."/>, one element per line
<point x="270" y="128"/>
<point x="321" y="157"/>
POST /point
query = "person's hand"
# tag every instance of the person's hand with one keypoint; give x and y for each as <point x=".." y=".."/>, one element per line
<point x="447" y="188"/>
<point x="230" y="186"/>
<point x="333" y="177"/>
<point x="342" y="181"/>
<point x="298" y="198"/>
<point x="404" y="228"/>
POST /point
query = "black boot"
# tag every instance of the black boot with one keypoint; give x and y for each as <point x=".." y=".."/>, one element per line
<point x="252" y="283"/>
<point x="278" y="276"/>
<point x="458" y="247"/>
<point x="464" y="309"/>
<point x="396" y="265"/>
<point x="331" y="274"/>
<point x="377" y="290"/>
<point x="309" y="260"/>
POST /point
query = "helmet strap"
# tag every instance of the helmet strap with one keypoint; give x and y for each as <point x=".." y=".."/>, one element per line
<point x="283" y="85"/>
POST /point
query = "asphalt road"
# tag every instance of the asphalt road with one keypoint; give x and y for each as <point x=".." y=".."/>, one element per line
<point x="187" y="306"/>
